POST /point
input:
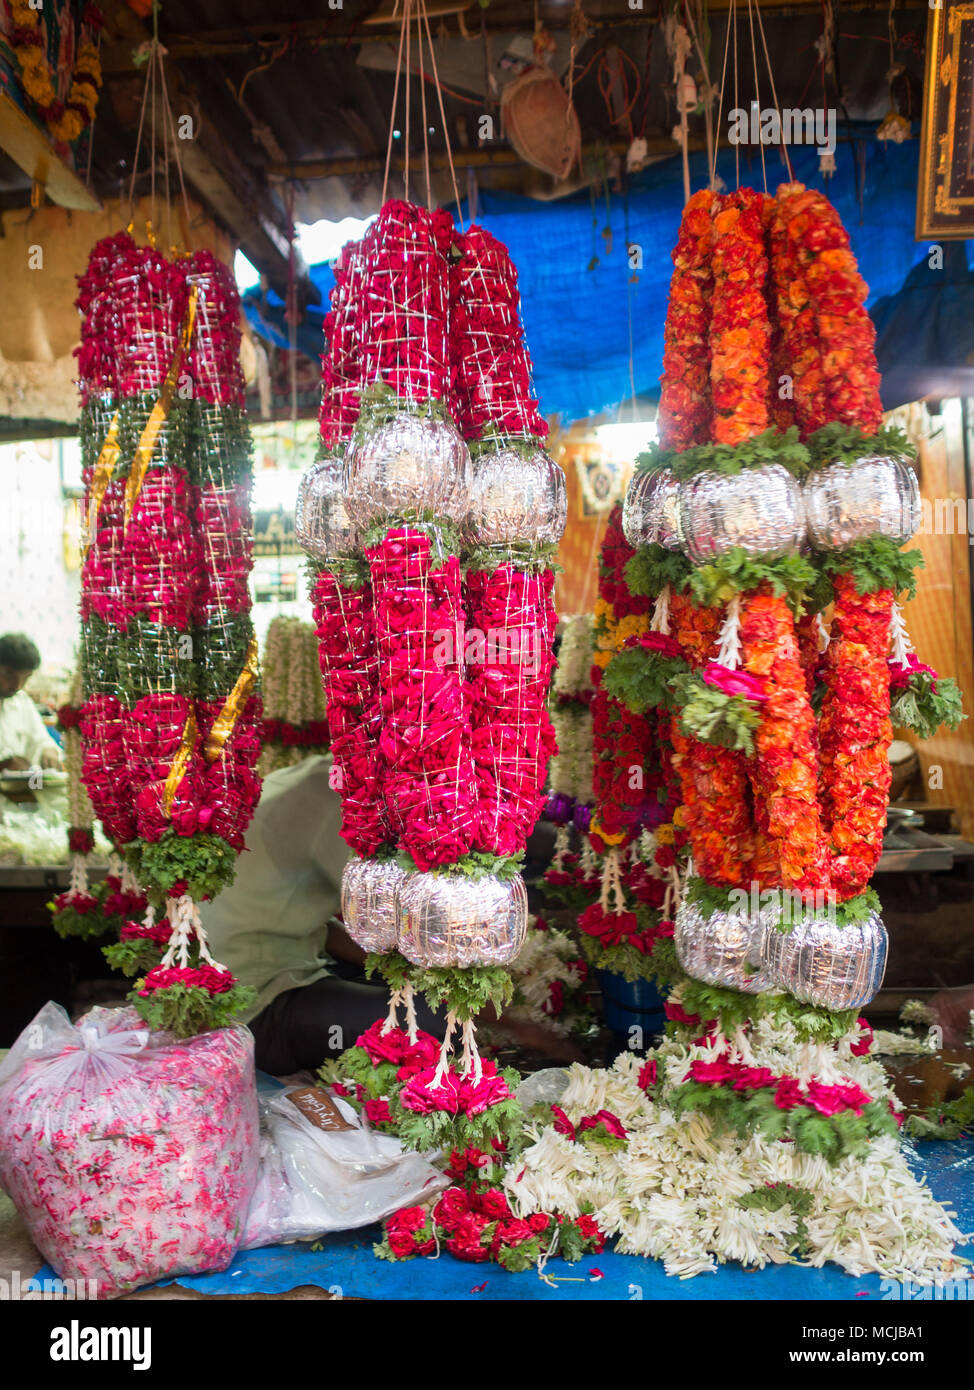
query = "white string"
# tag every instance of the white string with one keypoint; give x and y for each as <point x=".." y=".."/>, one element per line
<point x="660" y="621"/>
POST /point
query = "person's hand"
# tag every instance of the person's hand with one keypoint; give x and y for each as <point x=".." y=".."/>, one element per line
<point x="951" y="1010"/>
<point x="51" y="757"/>
<point x="14" y="765"/>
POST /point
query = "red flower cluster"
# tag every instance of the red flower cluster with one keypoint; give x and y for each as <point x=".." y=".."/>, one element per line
<point x="104" y="766"/>
<point x="213" y="359"/>
<point x="81" y="840"/>
<point x="345" y="625"/>
<point x="618" y="929"/>
<point x="789" y="1092"/>
<point x="159" y="932"/>
<point x="456" y="1094"/>
<point x="193" y="977"/>
<point x="740" y="333"/>
<point x="119" y="902"/>
<point x="340" y="362"/>
<point x="622" y="746"/>
<point x="491" y="365"/>
<point x="393" y="1046"/>
<point x="429" y="783"/>
<point x="512" y="736"/>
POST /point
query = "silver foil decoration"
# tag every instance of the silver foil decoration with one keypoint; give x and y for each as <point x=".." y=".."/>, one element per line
<point x="650" y="510"/>
<point x="723" y="948"/>
<point x="758" y="509"/>
<point x="877" y="496"/>
<point x="369" y="902"/>
<point x="412" y="463"/>
<point x="820" y="962"/>
<point x="450" y="920"/>
<point x="517" y="497"/>
<point x="322" y="526"/>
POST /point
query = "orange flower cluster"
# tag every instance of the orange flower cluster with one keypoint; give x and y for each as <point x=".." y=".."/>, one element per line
<point x="684" y="401"/>
<point x="717" y="808"/>
<point x="855" y="734"/>
<point x="820" y="297"/>
<point x="784" y="771"/>
<point x="740" y="332"/>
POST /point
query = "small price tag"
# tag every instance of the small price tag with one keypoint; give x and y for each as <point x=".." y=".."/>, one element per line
<point x="317" y="1106"/>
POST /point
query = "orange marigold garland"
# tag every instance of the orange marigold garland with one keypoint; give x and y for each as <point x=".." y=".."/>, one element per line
<point x="740" y="334"/>
<point x="684" y="402"/>
<point x="855" y="733"/>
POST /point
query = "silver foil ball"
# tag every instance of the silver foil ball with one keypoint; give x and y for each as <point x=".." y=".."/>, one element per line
<point x="449" y="920"/>
<point x="877" y="496"/>
<point x="411" y="463"/>
<point x="723" y="948"/>
<point x="369" y="902"/>
<point x="758" y="509"/>
<point x="517" y="497"/>
<point x="650" y="510"/>
<point x="822" y="963"/>
<point x="322" y="526"/>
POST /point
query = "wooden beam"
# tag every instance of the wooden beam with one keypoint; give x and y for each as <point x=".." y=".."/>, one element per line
<point x="31" y="150"/>
<point x="657" y="147"/>
<point x="217" y="174"/>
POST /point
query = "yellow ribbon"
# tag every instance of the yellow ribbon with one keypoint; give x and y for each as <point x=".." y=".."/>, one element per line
<point x="180" y="762"/>
<point x="160" y="411"/>
<point x="234" y="703"/>
<point x="102" y="474"/>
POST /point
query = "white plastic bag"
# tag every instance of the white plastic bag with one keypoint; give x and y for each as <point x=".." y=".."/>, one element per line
<point x="130" y="1155"/>
<point x="312" y="1181"/>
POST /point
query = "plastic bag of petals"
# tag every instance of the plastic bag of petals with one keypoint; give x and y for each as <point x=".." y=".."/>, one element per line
<point x="130" y="1156"/>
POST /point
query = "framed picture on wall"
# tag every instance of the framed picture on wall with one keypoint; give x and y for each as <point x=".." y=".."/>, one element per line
<point x="945" y="189"/>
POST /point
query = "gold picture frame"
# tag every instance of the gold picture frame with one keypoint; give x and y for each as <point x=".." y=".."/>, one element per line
<point x="945" y="189"/>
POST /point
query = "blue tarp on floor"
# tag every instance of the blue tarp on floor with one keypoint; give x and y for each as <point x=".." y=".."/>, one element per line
<point x="347" y="1266"/>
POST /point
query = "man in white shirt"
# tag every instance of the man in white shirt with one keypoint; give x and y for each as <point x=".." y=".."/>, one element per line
<point x="24" y="741"/>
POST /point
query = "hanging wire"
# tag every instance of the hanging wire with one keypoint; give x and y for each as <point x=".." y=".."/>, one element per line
<point x="392" y="117"/>
<point x="737" y="107"/>
<point x="422" y="97"/>
<point x="446" y="132"/>
<point x="720" y="103"/>
<point x="757" y="91"/>
<point x="774" y="94"/>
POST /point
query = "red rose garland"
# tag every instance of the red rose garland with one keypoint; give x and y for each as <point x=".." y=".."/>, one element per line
<point x="170" y="661"/>
<point x="341" y="367"/>
<point x="425" y="739"/>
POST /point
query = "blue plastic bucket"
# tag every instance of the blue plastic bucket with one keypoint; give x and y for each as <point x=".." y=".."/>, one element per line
<point x="626" y="1004"/>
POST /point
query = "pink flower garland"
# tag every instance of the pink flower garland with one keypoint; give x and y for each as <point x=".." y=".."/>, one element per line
<point x="512" y="737"/>
<point x="429" y="780"/>
<point x="340" y="364"/>
<point x="401" y="324"/>
<point x="345" y="624"/>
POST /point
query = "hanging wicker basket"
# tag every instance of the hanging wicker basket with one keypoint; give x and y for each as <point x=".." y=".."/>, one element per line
<point x="540" y="122"/>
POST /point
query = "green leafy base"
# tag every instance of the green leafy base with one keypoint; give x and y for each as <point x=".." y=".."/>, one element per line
<point x="712" y="716"/>
<point x="653" y="567"/>
<point x="772" y="446"/>
<point x="204" y="863"/>
<point x="925" y="711"/>
<point x="641" y="678"/>
<point x="838" y="443"/>
<point x="625" y="960"/>
<point x="779" y="1195"/>
<point x="466" y="992"/>
<point x="134" y="956"/>
<point x="738" y="572"/>
<point x="187" y="1009"/>
<point x="875" y="563"/>
<point x="733" y="1009"/>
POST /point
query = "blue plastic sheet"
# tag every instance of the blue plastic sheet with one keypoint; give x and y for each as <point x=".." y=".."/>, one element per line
<point x="584" y="306"/>
<point x="346" y="1265"/>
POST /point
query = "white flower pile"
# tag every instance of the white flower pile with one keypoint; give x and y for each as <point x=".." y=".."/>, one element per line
<point x="673" y="1192"/>
<point x="543" y="959"/>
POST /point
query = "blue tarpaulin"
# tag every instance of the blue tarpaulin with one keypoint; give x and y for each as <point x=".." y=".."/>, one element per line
<point x="584" y="306"/>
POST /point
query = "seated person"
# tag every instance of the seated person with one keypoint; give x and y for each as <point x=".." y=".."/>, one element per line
<point x="273" y="928"/>
<point x="24" y="741"/>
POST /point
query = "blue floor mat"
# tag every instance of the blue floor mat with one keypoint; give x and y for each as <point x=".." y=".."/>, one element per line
<point x="346" y="1265"/>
